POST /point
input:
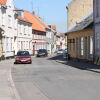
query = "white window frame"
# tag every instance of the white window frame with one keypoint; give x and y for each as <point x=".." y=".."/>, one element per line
<point x="82" y="46"/>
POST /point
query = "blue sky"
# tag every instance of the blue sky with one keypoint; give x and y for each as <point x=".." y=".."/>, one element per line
<point x="53" y="12"/>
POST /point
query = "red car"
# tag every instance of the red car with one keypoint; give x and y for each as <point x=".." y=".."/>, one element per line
<point x="23" y="57"/>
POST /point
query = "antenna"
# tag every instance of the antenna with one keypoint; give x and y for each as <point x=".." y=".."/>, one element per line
<point x="32" y="5"/>
<point x="38" y="11"/>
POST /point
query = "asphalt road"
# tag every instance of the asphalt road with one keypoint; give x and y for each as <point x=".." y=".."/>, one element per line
<point x="46" y="79"/>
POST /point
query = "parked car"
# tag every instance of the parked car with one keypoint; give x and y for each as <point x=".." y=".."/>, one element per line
<point x="65" y="54"/>
<point x="42" y="52"/>
<point x="23" y="57"/>
<point x="60" y="51"/>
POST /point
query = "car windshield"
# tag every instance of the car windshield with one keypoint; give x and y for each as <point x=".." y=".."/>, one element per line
<point x="60" y="50"/>
<point x="23" y="53"/>
<point x="42" y="51"/>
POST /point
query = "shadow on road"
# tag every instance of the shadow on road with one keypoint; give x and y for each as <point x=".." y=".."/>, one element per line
<point x="57" y="57"/>
<point x="82" y="65"/>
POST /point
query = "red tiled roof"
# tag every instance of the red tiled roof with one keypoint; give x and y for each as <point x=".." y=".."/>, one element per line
<point x="31" y="18"/>
<point x="22" y="19"/>
<point x="3" y="2"/>
<point x="41" y="22"/>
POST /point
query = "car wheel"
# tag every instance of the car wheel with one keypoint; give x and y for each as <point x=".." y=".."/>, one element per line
<point x="30" y="63"/>
<point x="15" y="63"/>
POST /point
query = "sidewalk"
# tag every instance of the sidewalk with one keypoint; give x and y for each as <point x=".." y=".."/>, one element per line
<point x="77" y="64"/>
<point x="81" y="65"/>
<point x="7" y="89"/>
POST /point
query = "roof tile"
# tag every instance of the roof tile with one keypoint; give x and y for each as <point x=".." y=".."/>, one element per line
<point x="3" y="2"/>
<point x="31" y="18"/>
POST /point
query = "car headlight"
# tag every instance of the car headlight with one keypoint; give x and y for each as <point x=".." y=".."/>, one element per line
<point x="28" y="58"/>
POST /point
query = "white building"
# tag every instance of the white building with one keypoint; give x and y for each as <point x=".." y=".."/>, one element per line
<point x="97" y="30"/>
<point x="39" y="41"/>
<point x="9" y="25"/>
<point x="58" y="45"/>
<point x="24" y="34"/>
<point x="62" y="41"/>
<point x="50" y="38"/>
<point x="38" y="31"/>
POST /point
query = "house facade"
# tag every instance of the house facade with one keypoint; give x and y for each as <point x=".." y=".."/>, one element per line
<point x="9" y="25"/>
<point x="62" y="41"/>
<point x="38" y="32"/>
<point x="58" y="42"/>
<point x="80" y="29"/>
<point x="39" y="41"/>
<point x="24" y="34"/>
<point x="80" y="41"/>
<point x="1" y="31"/>
<point x="97" y="31"/>
<point x="50" y="38"/>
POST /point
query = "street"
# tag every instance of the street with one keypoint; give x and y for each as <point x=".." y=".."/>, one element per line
<point x="46" y="79"/>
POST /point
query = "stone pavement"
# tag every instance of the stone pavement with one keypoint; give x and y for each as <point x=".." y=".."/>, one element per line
<point x="7" y="89"/>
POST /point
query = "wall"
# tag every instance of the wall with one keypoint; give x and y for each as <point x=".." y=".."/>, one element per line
<point x="74" y="46"/>
<point x="24" y="37"/>
<point x="77" y="10"/>
<point x="97" y="27"/>
<point x="8" y="25"/>
<point x="39" y="41"/>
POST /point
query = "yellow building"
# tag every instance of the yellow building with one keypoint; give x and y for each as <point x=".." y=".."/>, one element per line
<point x="77" y="10"/>
<point x="80" y="39"/>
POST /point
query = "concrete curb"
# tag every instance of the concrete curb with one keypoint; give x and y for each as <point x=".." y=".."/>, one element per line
<point x="93" y="70"/>
<point x="16" y="94"/>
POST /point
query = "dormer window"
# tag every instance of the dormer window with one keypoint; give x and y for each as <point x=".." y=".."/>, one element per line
<point x="4" y="6"/>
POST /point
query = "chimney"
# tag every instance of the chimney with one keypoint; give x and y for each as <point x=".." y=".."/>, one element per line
<point x="33" y="13"/>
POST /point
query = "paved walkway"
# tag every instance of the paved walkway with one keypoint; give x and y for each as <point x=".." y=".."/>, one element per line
<point x="77" y="64"/>
<point x="7" y="90"/>
<point x="81" y="65"/>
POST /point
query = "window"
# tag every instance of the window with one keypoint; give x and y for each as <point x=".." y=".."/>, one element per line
<point x="7" y="44"/>
<point x="11" y="44"/>
<point x="24" y="31"/>
<point x="3" y="19"/>
<point x="4" y="44"/>
<point x="82" y="46"/>
<point x="9" y="21"/>
<point x="15" y="23"/>
<point x="73" y="44"/>
<point x="91" y="45"/>
<point x="19" y="28"/>
<point x="19" y="13"/>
